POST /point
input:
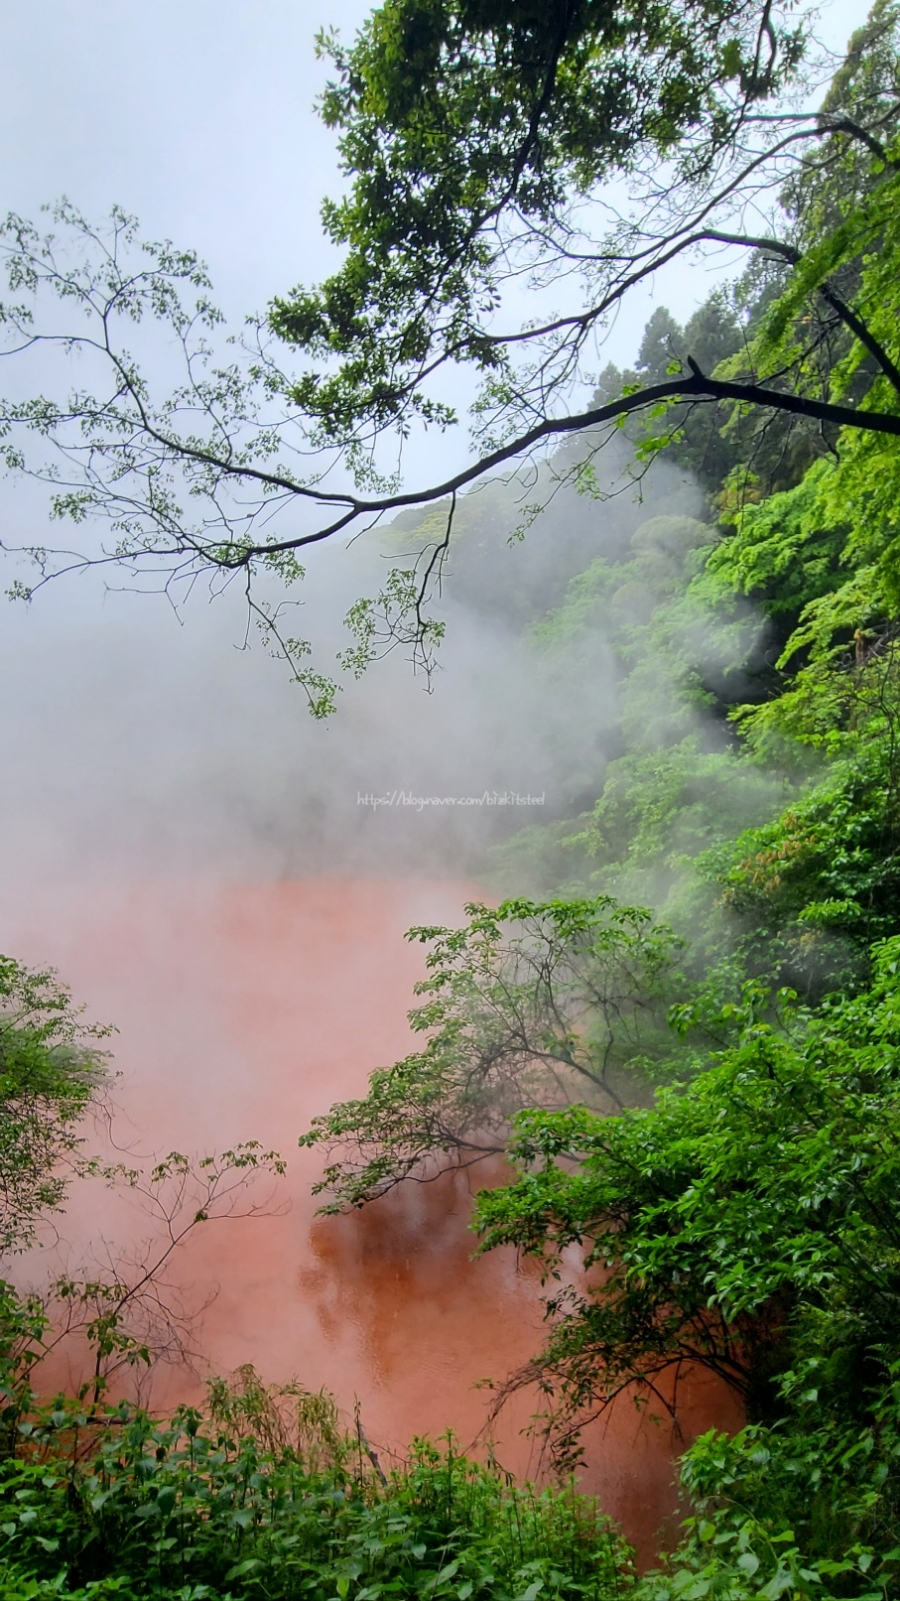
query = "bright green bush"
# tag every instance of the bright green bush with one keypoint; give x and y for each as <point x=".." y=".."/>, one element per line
<point x="240" y="1505"/>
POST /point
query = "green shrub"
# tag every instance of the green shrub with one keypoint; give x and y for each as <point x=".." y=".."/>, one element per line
<point x="275" y="1501"/>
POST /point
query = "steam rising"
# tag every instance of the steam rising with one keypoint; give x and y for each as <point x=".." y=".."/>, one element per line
<point x="138" y="740"/>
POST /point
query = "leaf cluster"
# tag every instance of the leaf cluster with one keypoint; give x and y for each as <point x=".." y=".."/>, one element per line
<point x="268" y="1496"/>
<point x="52" y="1067"/>
<point x="461" y="120"/>
<point x="531" y="1003"/>
<point x="745" y="1224"/>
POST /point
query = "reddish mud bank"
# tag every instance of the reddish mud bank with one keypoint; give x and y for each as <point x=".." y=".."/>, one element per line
<point x="243" y="1010"/>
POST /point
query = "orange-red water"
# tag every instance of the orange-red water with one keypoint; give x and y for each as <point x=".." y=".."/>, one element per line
<point x="243" y="1010"/>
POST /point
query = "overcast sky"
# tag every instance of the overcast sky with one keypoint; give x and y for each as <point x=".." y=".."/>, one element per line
<point x="195" y="114"/>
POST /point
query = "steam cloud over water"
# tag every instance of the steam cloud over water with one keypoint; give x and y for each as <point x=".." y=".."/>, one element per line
<point x="135" y="740"/>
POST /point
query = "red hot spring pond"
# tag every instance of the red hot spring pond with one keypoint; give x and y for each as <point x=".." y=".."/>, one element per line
<point x="243" y="1009"/>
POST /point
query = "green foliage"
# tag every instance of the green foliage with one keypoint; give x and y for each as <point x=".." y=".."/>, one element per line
<point x="23" y="1327"/>
<point x="747" y="1223"/>
<point x="669" y="643"/>
<point x="51" y="1068"/>
<point x="453" y="114"/>
<point x="697" y="442"/>
<point x="269" y="1497"/>
<point x="51" y="1071"/>
<point x="809" y="1508"/>
<point x="679" y="787"/>
<point x="814" y="888"/>
<point x="845" y="510"/>
<point x="476" y="137"/>
<point x="532" y="1003"/>
<point x="781" y="551"/>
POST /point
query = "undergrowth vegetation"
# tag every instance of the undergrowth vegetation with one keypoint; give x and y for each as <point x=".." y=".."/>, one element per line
<point x="267" y="1496"/>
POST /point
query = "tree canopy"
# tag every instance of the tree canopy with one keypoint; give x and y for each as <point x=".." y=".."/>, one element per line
<point x="471" y="132"/>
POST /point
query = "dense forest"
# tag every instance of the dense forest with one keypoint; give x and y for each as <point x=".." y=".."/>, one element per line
<point x="681" y="1026"/>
